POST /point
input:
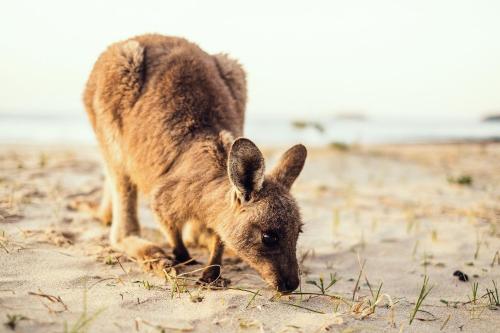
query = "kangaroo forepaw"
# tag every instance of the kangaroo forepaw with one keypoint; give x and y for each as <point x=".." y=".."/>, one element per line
<point x="155" y="260"/>
<point x="218" y="283"/>
<point x="212" y="278"/>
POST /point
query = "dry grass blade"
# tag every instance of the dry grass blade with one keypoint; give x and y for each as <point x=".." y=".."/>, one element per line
<point x="496" y="259"/>
<point x="302" y="307"/>
<point x="445" y="322"/>
<point x="356" y="286"/>
<point x="161" y="328"/>
<point x="330" y="296"/>
<point x="4" y="247"/>
<point x="121" y="266"/>
<point x="184" y="263"/>
<point x="252" y="298"/>
<point x="105" y="279"/>
<point x="198" y="270"/>
<point x="51" y="298"/>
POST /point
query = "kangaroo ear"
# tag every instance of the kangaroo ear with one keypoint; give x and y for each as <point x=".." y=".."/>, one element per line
<point x="290" y="165"/>
<point x="246" y="167"/>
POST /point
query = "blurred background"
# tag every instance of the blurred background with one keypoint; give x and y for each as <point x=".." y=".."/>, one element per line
<point x="318" y="71"/>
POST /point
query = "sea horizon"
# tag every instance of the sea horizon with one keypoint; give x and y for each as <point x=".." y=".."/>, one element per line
<point x="74" y="128"/>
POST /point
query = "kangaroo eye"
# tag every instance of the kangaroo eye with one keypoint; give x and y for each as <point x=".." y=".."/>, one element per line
<point x="270" y="238"/>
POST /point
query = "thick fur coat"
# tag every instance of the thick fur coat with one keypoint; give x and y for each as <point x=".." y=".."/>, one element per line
<point x="166" y="115"/>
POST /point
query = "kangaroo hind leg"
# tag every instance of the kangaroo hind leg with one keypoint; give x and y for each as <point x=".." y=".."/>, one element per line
<point x="125" y="229"/>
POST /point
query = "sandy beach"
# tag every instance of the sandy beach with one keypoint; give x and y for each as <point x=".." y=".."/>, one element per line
<point x="378" y="221"/>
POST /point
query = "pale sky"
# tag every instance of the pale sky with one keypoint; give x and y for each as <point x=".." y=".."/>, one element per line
<point x="403" y="58"/>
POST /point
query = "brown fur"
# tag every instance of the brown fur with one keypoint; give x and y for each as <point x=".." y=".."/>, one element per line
<point x="166" y="114"/>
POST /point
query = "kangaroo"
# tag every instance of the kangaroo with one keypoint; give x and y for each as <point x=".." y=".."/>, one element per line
<point x="169" y="121"/>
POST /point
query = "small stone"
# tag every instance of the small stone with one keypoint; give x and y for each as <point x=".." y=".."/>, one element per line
<point x="461" y="276"/>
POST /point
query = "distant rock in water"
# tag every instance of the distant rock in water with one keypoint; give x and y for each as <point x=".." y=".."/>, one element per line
<point x="491" y="118"/>
<point x="351" y="116"/>
<point x="301" y="124"/>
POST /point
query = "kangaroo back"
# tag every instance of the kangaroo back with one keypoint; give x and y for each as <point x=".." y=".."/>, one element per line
<point x="151" y="96"/>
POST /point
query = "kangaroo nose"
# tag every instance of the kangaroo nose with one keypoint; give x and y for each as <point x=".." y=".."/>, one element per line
<point x="289" y="285"/>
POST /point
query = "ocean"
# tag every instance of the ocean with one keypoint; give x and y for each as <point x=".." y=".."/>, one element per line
<point x="74" y="128"/>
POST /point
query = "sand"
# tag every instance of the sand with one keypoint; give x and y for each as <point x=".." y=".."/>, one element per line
<point x="393" y="209"/>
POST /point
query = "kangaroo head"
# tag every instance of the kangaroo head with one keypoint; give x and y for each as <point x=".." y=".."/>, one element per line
<point x="265" y="219"/>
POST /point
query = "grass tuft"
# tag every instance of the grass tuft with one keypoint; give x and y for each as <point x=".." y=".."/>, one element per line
<point x="474" y="288"/>
<point x="340" y="146"/>
<point x="464" y="180"/>
<point x="13" y="320"/>
<point x="375" y="298"/>
<point x="110" y="261"/>
<point x="493" y="296"/>
<point x="424" y="291"/>
<point x="83" y="322"/>
<point x="320" y="284"/>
